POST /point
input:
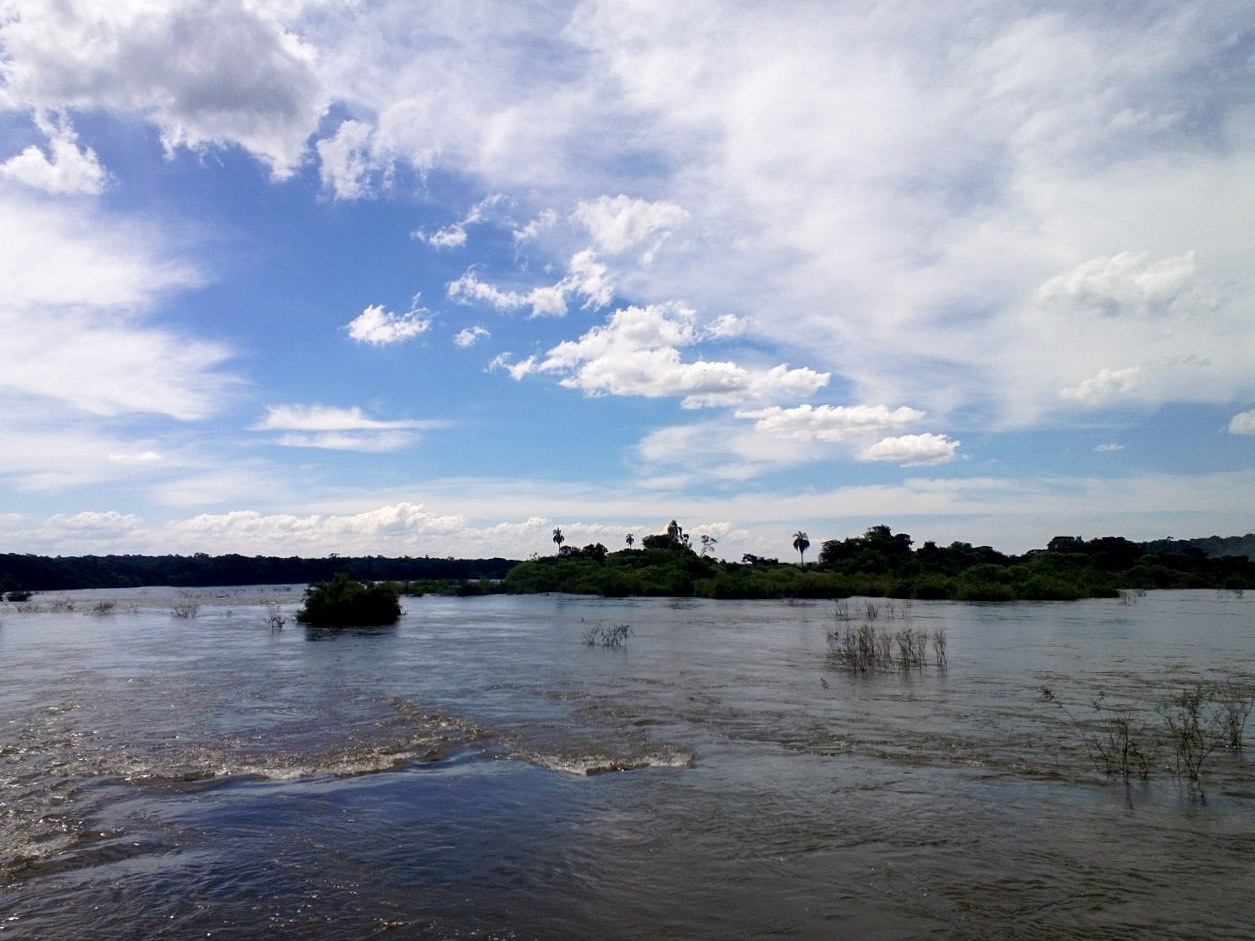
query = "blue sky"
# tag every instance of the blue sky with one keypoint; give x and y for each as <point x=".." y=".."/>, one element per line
<point x="434" y="278"/>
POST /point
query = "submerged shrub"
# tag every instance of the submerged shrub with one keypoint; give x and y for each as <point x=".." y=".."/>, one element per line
<point x="615" y="635"/>
<point x="1189" y="733"/>
<point x="343" y="601"/>
<point x="1115" y="741"/>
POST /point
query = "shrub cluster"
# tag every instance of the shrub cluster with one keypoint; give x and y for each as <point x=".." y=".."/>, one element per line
<point x="343" y="601"/>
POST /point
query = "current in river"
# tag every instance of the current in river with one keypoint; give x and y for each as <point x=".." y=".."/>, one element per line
<point x="177" y="765"/>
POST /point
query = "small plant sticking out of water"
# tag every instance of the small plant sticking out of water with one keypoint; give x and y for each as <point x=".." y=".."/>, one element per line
<point x="103" y="608"/>
<point x="1190" y="735"/>
<point x="615" y="635"/>
<point x="185" y="609"/>
<point x="1130" y="596"/>
<point x="1235" y="698"/>
<point x="1115" y="742"/>
<point x="869" y="649"/>
<point x="274" y="614"/>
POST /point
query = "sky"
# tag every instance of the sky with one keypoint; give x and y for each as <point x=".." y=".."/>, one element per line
<point x="302" y="277"/>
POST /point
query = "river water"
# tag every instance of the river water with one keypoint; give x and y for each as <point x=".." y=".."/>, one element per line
<point x="480" y="771"/>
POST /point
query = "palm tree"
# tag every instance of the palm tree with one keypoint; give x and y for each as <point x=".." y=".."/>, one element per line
<point x="558" y="538"/>
<point x="630" y="539"/>
<point x="801" y="543"/>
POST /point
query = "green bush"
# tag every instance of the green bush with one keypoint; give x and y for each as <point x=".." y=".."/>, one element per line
<point x="345" y="602"/>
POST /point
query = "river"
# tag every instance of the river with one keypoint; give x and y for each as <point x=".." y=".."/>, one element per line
<point x="480" y="771"/>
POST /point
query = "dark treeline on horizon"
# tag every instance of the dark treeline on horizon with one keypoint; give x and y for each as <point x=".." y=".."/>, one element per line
<point x="879" y="562"/>
<point x="65" y="573"/>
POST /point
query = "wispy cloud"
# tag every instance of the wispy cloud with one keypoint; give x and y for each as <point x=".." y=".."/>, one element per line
<point x="339" y="429"/>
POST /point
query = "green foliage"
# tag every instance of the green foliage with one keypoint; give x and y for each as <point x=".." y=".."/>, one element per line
<point x="345" y="602"/>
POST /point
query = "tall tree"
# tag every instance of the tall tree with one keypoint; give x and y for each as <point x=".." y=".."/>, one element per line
<point x="630" y="539"/>
<point x="801" y="542"/>
<point x="558" y="538"/>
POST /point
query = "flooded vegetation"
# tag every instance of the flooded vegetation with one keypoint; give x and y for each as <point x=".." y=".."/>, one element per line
<point x="515" y="766"/>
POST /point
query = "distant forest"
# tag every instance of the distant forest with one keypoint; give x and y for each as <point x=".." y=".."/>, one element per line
<point x="64" y="573"/>
<point x="880" y="563"/>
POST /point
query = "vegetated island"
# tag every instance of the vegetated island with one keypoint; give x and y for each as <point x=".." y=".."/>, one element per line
<point x="879" y="563"/>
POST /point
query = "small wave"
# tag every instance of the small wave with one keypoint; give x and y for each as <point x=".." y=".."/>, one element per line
<point x="589" y="765"/>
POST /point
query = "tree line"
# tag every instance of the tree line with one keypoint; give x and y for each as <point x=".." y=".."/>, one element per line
<point x="879" y="562"/>
<point x="64" y="573"/>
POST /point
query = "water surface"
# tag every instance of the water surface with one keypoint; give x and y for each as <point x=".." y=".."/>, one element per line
<point x="480" y="771"/>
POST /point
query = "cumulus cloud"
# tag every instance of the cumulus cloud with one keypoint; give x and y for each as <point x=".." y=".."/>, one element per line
<point x="66" y="169"/>
<point x="637" y="353"/>
<point x="469" y="336"/>
<point x="1124" y="285"/>
<point x="619" y="223"/>
<point x="380" y="327"/>
<point x="1243" y="423"/>
<point x="829" y="422"/>
<point x="338" y="429"/>
<point x="1108" y="386"/>
<point x="402" y="526"/>
<point x="207" y="73"/>
<point x="912" y="450"/>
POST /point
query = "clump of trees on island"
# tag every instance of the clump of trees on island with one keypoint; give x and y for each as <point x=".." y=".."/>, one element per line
<point x="881" y="563"/>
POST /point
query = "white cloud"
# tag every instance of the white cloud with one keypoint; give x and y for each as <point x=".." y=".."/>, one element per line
<point x="67" y="169"/>
<point x="516" y="370"/>
<point x="619" y="223"/>
<point x="454" y="236"/>
<point x="912" y="450"/>
<point x="725" y="326"/>
<point x="469" y="336"/>
<point x="208" y="73"/>
<point x="1124" y="285"/>
<point x="338" y="429"/>
<point x="587" y="278"/>
<point x="546" y="219"/>
<point x="1109" y="448"/>
<point x="829" y="422"/>
<point x="346" y="163"/>
<point x="403" y="528"/>
<point x="636" y="353"/>
<point x="1108" y="386"/>
<point x="1243" y="423"/>
<point x="325" y="418"/>
<point x="78" y="288"/>
<point x="379" y="327"/>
